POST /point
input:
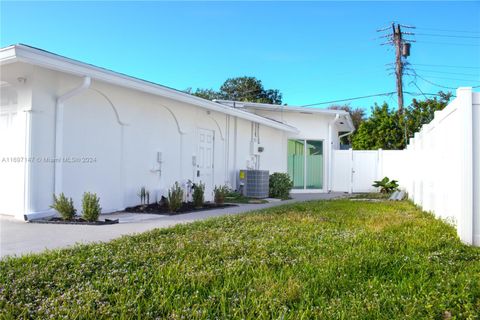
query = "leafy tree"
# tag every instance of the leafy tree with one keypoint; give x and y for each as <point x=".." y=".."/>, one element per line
<point x="241" y="89"/>
<point x="249" y="89"/>
<point x="208" y="94"/>
<point x="421" y="112"/>
<point x="381" y="130"/>
<point x="388" y="129"/>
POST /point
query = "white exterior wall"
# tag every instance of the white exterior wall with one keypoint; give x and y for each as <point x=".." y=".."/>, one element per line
<point x="111" y="136"/>
<point x="311" y="127"/>
<point x="15" y="115"/>
<point x="439" y="169"/>
<point x="274" y="156"/>
<point x="239" y="137"/>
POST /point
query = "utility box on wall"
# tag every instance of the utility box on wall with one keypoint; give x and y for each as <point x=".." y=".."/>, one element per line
<point x="254" y="183"/>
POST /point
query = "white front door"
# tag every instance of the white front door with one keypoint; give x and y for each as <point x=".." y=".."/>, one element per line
<point x="204" y="174"/>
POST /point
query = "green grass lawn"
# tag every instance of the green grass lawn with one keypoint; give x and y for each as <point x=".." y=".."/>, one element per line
<point x="328" y="259"/>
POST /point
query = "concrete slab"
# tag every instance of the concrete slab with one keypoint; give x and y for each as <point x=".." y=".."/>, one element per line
<point x="18" y="237"/>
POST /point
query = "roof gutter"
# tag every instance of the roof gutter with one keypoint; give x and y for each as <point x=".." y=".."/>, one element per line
<point x="346" y="134"/>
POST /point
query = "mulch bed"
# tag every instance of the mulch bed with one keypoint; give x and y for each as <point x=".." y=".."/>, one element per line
<point x="156" y="208"/>
<point x="81" y="221"/>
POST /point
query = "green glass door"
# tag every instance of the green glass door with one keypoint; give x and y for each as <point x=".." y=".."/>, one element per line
<point x="314" y="164"/>
<point x="296" y="163"/>
<point x="305" y="163"/>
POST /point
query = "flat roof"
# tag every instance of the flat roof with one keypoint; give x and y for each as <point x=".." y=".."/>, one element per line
<point x="348" y="126"/>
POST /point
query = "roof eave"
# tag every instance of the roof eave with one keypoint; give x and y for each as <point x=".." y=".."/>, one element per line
<point x="280" y="108"/>
<point x="8" y="55"/>
<point x="277" y="107"/>
<point x="52" y="61"/>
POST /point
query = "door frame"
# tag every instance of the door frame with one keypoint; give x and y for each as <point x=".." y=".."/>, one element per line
<point x="304" y="189"/>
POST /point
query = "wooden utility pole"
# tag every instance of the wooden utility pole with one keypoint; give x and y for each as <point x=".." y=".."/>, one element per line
<point x="397" y="41"/>
<point x="402" y="51"/>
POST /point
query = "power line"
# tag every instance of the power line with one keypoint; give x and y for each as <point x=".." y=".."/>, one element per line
<point x="415" y="84"/>
<point x="443" y="65"/>
<point x="370" y="96"/>
<point x="445" y="72"/>
<point x="444" y="78"/>
<point x="423" y="94"/>
<point x="446" y="30"/>
<point x="451" y="43"/>
<point x="407" y="26"/>
<point x="393" y="22"/>
<point x="433" y="83"/>
<point x="383" y="29"/>
<point x="446" y="35"/>
<point x="350" y="99"/>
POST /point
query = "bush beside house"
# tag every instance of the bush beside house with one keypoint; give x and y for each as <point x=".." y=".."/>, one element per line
<point x="91" y="206"/>
<point x="280" y="185"/>
<point x="64" y="206"/>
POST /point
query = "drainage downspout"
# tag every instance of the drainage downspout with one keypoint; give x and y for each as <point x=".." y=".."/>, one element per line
<point x="27" y="193"/>
<point x="57" y="182"/>
<point x="351" y="156"/>
<point x="235" y="145"/>
<point x="348" y="133"/>
<point x="226" y="144"/>
<point x="330" y="151"/>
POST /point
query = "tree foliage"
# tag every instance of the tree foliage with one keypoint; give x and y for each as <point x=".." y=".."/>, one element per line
<point x="388" y="129"/>
<point x="381" y="130"/>
<point x="421" y="112"/>
<point x="240" y="89"/>
<point x="208" y="94"/>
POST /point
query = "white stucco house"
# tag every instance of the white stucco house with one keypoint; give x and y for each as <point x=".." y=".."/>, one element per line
<point x="68" y="126"/>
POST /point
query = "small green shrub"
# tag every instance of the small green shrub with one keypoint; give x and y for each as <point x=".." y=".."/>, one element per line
<point x="280" y="185"/>
<point x="198" y="195"/>
<point x="91" y="206"/>
<point x="64" y="206"/>
<point x="175" y="197"/>
<point x="144" y="196"/>
<point x="220" y="193"/>
<point x="386" y="185"/>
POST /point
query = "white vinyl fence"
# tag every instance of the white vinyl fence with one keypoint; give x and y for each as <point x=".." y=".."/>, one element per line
<point x="355" y="170"/>
<point x="439" y="169"/>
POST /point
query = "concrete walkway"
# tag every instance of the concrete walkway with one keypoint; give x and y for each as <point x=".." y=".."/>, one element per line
<point x="18" y="237"/>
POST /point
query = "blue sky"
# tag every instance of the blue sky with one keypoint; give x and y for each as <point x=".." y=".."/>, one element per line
<point x="310" y="51"/>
